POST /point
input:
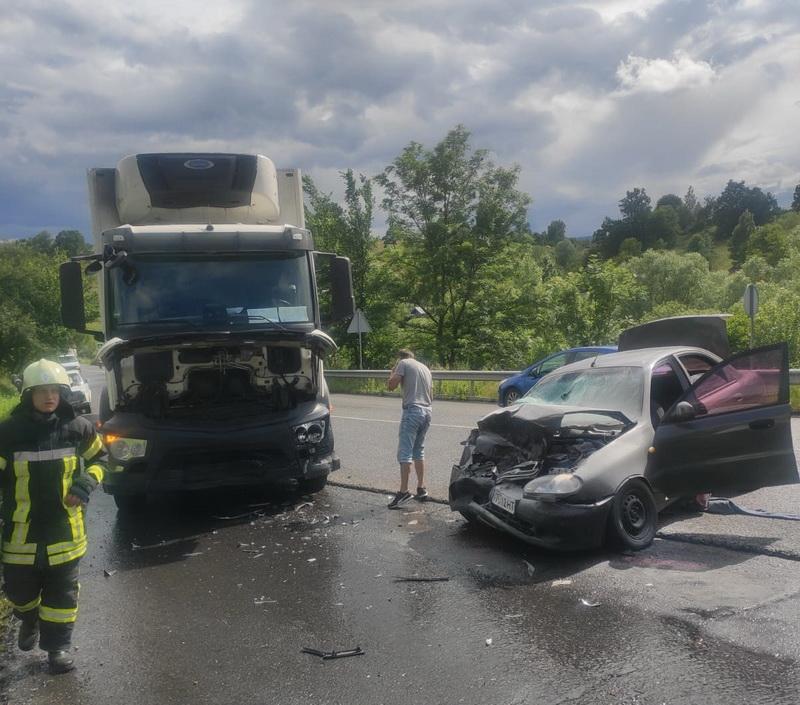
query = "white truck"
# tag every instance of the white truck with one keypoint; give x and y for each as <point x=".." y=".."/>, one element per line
<point x="211" y="324"/>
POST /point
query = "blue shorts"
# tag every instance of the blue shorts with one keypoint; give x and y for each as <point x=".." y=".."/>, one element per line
<point x="413" y="426"/>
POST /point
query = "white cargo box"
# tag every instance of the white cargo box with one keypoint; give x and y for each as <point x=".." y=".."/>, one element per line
<point x="198" y="188"/>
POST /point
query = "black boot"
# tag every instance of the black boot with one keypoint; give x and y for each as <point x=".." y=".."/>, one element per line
<point x="28" y="634"/>
<point x="60" y="662"/>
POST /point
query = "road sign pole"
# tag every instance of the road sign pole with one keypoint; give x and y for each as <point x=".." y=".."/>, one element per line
<point x="360" y="359"/>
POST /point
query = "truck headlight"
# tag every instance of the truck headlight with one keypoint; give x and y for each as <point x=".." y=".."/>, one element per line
<point x="311" y="432"/>
<point x="125" y="448"/>
<point x="553" y="486"/>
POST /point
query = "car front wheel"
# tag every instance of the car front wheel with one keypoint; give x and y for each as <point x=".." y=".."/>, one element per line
<point x="633" y="520"/>
<point x="510" y="397"/>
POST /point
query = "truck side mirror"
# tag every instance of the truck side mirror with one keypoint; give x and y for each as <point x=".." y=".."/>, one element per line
<point x="73" y="313"/>
<point x="342" y="301"/>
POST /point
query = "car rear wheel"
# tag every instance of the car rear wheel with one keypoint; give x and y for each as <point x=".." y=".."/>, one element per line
<point x="511" y="396"/>
<point x="633" y="520"/>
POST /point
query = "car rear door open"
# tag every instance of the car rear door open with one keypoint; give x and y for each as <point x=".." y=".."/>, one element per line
<point x="730" y="431"/>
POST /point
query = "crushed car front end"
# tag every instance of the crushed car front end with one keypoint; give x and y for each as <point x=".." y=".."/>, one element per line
<point x="521" y="472"/>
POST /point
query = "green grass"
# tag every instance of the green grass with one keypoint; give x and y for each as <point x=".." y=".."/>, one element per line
<point x="442" y="389"/>
<point x="794" y="398"/>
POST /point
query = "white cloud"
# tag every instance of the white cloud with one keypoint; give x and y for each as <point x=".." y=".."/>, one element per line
<point x="637" y="73"/>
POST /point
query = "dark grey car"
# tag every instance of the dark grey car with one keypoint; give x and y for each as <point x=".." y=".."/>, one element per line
<point x="598" y="448"/>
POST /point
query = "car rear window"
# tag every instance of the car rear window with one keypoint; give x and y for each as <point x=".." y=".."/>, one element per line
<point x="612" y="388"/>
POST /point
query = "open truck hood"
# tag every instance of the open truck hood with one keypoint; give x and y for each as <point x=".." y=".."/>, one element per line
<point x="708" y="332"/>
<point x="317" y="340"/>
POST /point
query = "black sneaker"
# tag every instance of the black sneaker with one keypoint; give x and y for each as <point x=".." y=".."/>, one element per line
<point x="399" y="499"/>
<point x="422" y="494"/>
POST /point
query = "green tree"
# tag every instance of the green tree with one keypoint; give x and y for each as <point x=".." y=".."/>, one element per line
<point x="662" y="224"/>
<point x="567" y="255"/>
<point x="71" y="242"/>
<point x="796" y="199"/>
<point x="635" y="205"/>
<point x="740" y="238"/>
<point x="737" y="198"/>
<point x="702" y="244"/>
<point x="41" y="242"/>
<point x="629" y="248"/>
<point x="556" y="232"/>
<point x="457" y="212"/>
<point x="770" y="241"/>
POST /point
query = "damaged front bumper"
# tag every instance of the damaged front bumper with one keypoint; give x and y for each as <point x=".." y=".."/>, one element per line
<point x="558" y="525"/>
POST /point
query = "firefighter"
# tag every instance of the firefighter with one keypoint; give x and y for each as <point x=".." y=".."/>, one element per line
<point x="50" y="461"/>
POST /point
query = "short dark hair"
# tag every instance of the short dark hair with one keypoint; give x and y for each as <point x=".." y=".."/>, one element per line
<point x="405" y="353"/>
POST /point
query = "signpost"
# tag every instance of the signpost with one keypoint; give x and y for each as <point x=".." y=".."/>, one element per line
<point x="359" y="325"/>
<point x="750" y="300"/>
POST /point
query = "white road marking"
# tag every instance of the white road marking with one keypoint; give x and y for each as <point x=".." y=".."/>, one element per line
<point x="396" y="421"/>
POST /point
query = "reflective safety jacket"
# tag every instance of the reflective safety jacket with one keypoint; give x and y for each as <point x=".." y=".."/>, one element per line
<point x="40" y="458"/>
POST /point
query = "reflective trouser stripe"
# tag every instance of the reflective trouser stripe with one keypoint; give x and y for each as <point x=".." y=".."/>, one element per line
<point x="67" y="556"/>
<point x="22" y="495"/>
<point x="3" y="463"/>
<point x="93" y="449"/>
<point x="96" y="472"/>
<point x="28" y="606"/>
<point x="18" y="558"/>
<point x="37" y="456"/>
<point x="58" y="615"/>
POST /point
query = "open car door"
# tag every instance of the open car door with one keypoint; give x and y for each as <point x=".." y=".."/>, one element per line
<point x="730" y="431"/>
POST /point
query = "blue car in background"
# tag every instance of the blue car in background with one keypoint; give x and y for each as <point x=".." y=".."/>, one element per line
<point x="513" y="388"/>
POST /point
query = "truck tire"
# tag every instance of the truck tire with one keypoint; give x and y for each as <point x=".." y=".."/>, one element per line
<point x="313" y="485"/>
<point x="104" y="409"/>
<point x="130" y="503"/>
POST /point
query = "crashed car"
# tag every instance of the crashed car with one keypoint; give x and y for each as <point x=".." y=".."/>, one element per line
<point x="598" y="448"/>
<point x="80" y="395"/>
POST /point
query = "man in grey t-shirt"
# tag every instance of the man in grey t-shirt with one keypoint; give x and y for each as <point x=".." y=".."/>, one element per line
<point x="417" y="382"/>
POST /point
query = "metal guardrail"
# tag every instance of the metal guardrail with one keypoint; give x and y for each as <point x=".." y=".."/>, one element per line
<point x="462" y="375"/>
<point x="466" y="375"/>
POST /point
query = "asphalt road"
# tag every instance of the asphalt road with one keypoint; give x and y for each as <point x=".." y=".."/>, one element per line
<point x="184" y="605"/>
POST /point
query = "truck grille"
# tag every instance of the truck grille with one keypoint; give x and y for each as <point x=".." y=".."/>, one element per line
<point x="235" y="466"/>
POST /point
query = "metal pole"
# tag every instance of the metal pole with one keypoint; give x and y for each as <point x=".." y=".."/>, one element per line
<point x="360" y="359"/>
<point x="752" y="330"/>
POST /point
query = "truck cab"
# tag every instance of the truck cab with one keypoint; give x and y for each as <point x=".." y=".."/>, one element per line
<point x="213" y="348"/>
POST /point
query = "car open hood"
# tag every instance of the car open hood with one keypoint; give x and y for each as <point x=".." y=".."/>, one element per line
<point x="708" y="332"/>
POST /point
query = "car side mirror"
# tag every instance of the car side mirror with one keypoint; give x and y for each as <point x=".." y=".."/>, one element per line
<point x="16" y="380"/>
<point x="683" y="411"/>
<point x="534" y="372"/>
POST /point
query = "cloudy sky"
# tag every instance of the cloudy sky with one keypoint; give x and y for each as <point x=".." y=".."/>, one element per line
<point x="590" y="97"/>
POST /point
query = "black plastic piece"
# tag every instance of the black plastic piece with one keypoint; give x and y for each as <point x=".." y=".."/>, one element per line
<point x="283" y="361"/>
<point x="153" y="367"/>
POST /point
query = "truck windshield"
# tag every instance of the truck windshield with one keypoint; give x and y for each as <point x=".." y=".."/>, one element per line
<point x="211" y="291"/>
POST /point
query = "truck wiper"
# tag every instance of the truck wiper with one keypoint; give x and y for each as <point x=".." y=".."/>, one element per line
<point x="259" y="317"/>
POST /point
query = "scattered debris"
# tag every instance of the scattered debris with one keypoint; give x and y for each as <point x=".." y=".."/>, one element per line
<point x="488" y="642"/>
<point x="233" y="517"/>
<point x="415" y="579"/>
<point x="301" y="506"/>
<point x="561" y="582"/>
<point x="587" y="603"/>
<point x="531" y="568"/>
<point x="311" y="560"/>
<point x="328" y="655"/>
<point x="108" y="573"/>
<point x="412" y="522"/>
<point x="191" y="555"/>
<point x="513" y="616"/>
<point x="263" y="601"/>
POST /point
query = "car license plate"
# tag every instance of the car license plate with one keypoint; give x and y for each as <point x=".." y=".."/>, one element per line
<point x="505" y="502"/>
